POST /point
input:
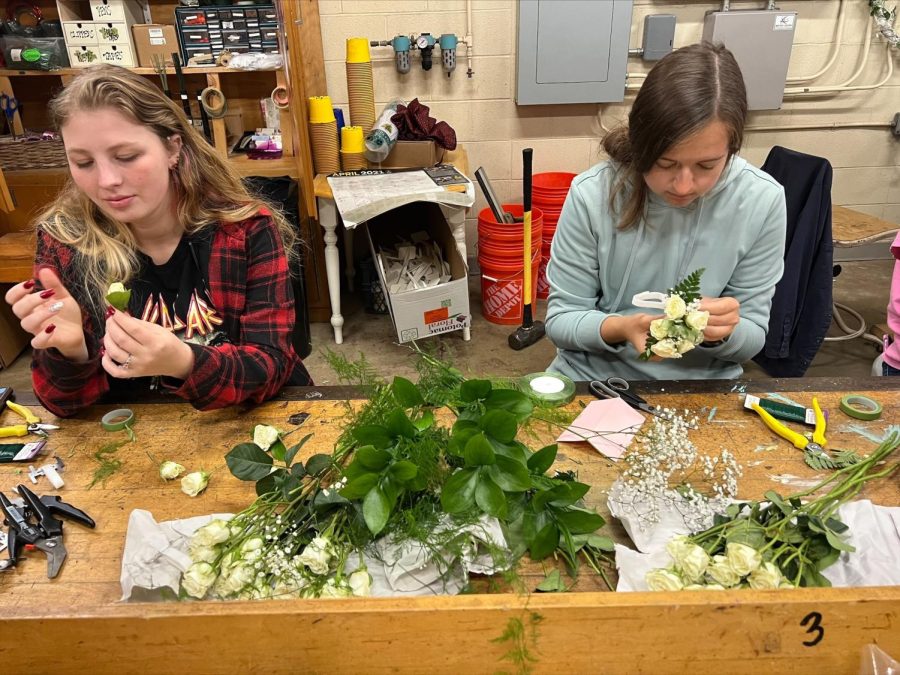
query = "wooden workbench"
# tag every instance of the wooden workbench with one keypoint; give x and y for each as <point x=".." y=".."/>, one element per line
<point x="75" y="622"/>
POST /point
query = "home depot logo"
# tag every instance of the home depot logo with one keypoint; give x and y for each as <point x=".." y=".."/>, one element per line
<point x="499" y="299"/>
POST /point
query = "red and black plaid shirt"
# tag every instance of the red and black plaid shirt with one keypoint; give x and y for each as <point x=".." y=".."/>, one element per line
<point x="249" y="285"/>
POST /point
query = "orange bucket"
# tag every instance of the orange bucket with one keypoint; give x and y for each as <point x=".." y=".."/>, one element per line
<point x="502" y="285"/>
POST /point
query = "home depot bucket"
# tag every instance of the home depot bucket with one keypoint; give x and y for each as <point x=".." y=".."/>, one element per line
<point x="501" y="258"/>
<point x="543" y="285"/>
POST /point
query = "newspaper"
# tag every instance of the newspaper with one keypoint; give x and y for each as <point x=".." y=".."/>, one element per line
<point x="361" y="195"/>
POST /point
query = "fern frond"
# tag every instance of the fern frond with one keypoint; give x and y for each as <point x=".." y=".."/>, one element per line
<point x="689" y="287"/>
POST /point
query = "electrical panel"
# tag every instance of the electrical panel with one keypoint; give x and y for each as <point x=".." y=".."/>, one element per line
<point x="572" y="51"/>
<point x="761" y="42"/>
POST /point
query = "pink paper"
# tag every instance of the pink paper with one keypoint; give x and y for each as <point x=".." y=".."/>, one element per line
<point x="607" y="424"/>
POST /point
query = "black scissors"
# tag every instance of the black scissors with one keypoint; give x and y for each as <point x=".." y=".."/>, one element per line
<point x="9" y="105"/>
<point x="617" y="387"/>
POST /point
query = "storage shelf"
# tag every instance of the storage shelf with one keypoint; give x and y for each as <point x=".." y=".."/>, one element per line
<point x="189" y="70"/>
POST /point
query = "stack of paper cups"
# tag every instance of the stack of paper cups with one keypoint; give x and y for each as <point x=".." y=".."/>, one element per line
<point x="323" y="135"/>
<point x="353" y="157"/>
<point x="360" y="86"/>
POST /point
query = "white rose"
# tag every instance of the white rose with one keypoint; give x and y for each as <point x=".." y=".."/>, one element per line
<point x="694" y="563"/>
<point x="239" y="578"/>
<point x="742" y="559"/>
<point x="722" y="573"/>
<point x="264" y="435"/>
<point x="666" y="349"/>
<point x="697" y="319"/>
<point x="203" y="554"/>
<point x="170" y="470"/>
<point x="361" y="582"/>
<point x="659" y="328"/>
<point x="677" y="547"/>
<point x="786" y="584"/>
<point x="332" y="589"/>
<point x="252" y="548"/>
<point x="194" y="483"/>
<point x="197" y="579"/>
<point x="317" y="555"/>
<point x="214" y="532"/>
<point x="684" y="346"/>
<point x="288" y="589"/>
<point x="715" y="587"/>
<point x="663" y="580"/>
<point x="694" y="587"/>
<point x="675" y="307"/>
<point x="766" y="576"/>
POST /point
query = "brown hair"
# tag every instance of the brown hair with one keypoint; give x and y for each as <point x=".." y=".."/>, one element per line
<point x="209" y="191"/>
<point x="684" y="92"/>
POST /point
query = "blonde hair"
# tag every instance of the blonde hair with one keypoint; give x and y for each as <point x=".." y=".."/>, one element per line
<point x="684" y="92"/>
<point x="208" y="190"/>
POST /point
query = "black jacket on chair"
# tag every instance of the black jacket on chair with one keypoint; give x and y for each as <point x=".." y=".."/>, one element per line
<point x="801" y="308"/>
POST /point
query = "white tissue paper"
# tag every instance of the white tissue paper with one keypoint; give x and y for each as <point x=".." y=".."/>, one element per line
<point x="874" y="532"/>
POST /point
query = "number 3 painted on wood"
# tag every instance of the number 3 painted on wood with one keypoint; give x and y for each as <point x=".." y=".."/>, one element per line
<point x="815" y="621"/>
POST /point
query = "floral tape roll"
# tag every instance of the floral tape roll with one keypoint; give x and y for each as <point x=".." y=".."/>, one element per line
<point x="281" y="96"/>
<point x="117" y="419"/>
<point x="551" y="388"/>
<point x="860" y="407"/>
<point x="213" y="102"/>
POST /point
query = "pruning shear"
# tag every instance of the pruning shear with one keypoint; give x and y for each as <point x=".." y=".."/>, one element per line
<point x="46" y="535"/>
<point x="814" y="448"/>
<point x="10" y="106"/>
<point x="32" y="423"/>
<point x="617" y="387"/>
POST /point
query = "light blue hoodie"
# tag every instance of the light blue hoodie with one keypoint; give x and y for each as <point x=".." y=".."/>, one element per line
<point x="736" y="232"/>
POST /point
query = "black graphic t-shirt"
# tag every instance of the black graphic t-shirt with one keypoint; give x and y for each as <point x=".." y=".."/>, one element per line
<point x="174" y="295"/>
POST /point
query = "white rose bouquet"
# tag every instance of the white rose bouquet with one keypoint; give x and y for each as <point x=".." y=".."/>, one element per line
<point x="682" y="328"/>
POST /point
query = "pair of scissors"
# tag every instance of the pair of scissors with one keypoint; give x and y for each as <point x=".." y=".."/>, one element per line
<point x="32" y="423"/>
<point x="812" y="449"/>
<point x="10" y="106"/>
<point x="617" y="387"/>
<point x="46" y="534"/>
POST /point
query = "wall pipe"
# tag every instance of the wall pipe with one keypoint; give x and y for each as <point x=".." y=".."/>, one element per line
<point x="837" y="46"/>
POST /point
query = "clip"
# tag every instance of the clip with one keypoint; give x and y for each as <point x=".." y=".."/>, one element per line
<point x="650" y="300"/>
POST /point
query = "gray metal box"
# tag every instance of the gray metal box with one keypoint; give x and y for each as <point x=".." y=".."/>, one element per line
<point x="572" y="51"/>
<point x="761" y="41"/>
<point x="659" y="36"/>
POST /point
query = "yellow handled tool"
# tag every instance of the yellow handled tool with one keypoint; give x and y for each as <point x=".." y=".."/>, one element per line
<point x="32" y="423"/>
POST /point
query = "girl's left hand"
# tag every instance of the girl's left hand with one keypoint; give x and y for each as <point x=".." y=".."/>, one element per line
<point x="136" y="348"/>
<point x="724" y="315"/>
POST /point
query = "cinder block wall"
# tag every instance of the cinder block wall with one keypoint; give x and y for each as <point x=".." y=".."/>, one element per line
<point x="566" y="137"/>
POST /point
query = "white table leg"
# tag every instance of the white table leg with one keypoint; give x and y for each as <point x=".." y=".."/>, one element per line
<point x="349" y="272"/>
<point x="328" y="220"/>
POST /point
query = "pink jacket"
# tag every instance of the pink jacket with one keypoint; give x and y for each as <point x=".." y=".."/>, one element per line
<point x="892" y="353"/>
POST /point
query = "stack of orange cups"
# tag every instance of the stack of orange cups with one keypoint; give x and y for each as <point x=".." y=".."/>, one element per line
<point x="549" y="191"/>
<point x="353" y="156"/>
<point x="360" y="85"/>
<point x="323" y="135"/>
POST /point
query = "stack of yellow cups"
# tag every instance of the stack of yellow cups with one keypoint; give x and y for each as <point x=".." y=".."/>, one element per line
<point x="360" y="86"/>
<point x="353" y="156"/>
<point x="323" y="135"/>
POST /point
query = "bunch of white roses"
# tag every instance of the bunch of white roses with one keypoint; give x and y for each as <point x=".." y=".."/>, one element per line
<point x="692" y="568"/>
<point x="258" y="556"/>
<point x="680" y="331"/>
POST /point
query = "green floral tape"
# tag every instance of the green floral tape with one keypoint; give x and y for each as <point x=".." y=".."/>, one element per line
<point x="861" y="407"/>
<point x="551" y="388"/>
<point x="117" y="420"/>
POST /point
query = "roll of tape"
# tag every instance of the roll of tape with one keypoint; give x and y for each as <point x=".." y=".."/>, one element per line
<point x="281" y="96"/>
<point x="213" y="102"/>
<point x="224" y="60"/>
<point x="861" y="407"/>
<point x="551" y="388"/>
<point x="117" y="420"/>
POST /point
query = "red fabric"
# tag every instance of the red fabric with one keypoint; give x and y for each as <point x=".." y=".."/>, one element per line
<point x="414" y="123"/>
<point x="249" y="285"/>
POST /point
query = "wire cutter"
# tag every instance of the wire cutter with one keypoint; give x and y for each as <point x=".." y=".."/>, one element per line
<point x="32" y="423"/>
<point x="45" y="535"/>
<point x="813" y="449"/>
<point x="617" y="387"/>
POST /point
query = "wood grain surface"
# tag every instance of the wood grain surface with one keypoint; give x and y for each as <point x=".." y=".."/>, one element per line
<point x="77" y="619"/>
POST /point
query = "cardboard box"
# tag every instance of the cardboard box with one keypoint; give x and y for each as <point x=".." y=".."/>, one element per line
<point x="428" y="311"/>
<point x="13" y="339"/>
<point x="154" y="38"/>
<point x="413" y="155"/>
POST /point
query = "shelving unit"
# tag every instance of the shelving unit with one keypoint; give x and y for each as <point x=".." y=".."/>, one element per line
<point x="23" y="193"/>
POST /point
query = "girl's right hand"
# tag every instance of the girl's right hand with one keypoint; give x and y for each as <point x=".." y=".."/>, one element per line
<point x="52" y="315"/>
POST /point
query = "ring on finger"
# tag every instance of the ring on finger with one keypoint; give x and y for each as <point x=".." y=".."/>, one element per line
<point x="127" y="363"/>
<point x="56" y="306"/>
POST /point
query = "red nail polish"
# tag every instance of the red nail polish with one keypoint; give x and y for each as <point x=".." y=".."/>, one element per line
<point x="49" y="329"/>
<point x="48" y="293"/>
<point x="29" y="284"/>
<point x="110" y="311"/>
